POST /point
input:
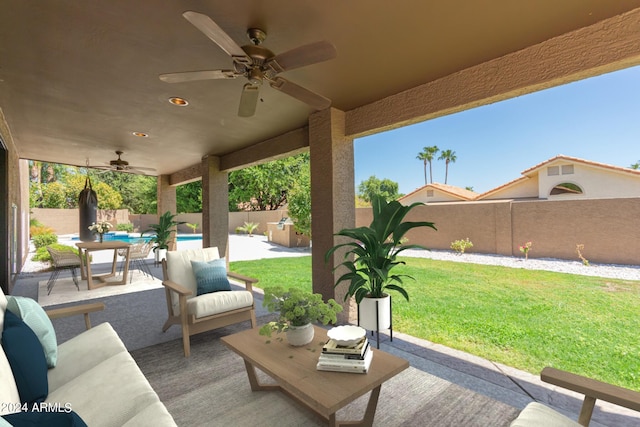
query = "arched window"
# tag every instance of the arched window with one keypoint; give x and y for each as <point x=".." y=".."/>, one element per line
<point x="566" y="188"/>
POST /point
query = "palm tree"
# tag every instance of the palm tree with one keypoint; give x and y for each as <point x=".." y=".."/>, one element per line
<point x="636" y="165"/>
<point x="426" y="155"/>
<point x="449" y="157"/>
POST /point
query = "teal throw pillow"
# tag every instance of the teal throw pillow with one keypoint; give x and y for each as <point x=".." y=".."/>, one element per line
<point x="49" y="419"/>
<point x="36" y="318"/>
<point x="211" y="276"/>
<point x="26" y="358"/>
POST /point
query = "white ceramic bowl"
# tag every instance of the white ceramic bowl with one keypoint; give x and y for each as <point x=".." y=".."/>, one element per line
<point x="346" y="335"/>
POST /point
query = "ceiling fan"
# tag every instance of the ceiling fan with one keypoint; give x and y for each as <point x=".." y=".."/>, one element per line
<point x="257" y="63"/>
<point x="119" y="165"/>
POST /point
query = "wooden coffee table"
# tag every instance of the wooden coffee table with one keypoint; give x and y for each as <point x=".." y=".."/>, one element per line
<point x="294" y="371"/>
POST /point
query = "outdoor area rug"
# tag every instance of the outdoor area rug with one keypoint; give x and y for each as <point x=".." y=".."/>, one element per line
<point x="65" y="290"/>
<point x="211" y="388"/>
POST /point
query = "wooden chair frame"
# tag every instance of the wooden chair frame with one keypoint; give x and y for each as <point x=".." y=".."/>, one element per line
<point x="592" y="390"/>
<point x="192" y="325"/>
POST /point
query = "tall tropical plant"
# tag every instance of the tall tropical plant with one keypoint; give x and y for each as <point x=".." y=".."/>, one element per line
<point x="449" y="157"/>
<point x="375" y="249"/>
<point x="162" y="230"/>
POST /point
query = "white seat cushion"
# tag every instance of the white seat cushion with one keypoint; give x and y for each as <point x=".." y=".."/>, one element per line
<point x="537" y="415"/>
<point x="180" y="271"/>
<point x="218" y="302"/>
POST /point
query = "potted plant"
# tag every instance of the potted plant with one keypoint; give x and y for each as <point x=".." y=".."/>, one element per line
<point x="163" y="231"/>
<point x="371" y="257"/>
<point x="298" y="310"/>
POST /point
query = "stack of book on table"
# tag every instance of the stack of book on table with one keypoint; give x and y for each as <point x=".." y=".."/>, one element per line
<point x="355" y="359"/>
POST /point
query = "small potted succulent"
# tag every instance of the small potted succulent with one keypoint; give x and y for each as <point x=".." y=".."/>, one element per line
<point x="298" y="311"/>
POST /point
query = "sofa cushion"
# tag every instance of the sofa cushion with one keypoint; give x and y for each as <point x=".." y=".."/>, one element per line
<point x="211" y="276"/>
<point x="26" y="357"/>
<point x="48" y="419"/>
<point x="536" y="414"/>
<point x="82" y="352"/>
<point x="8" y="390"/>
<point x="179" y="269"/>
<point x="219" y="302"/>
<point x="36" y="318"/>
<point x="152" y="416"/>
<point x="109" y="394"/>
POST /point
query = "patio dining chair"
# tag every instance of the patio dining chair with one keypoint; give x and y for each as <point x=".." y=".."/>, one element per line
<point x="138" y="254"/>
<point x="62" y="260"/>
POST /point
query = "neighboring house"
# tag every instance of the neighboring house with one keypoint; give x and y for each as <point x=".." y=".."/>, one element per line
<point x="559" y="178"/>
<point x="435" y="192"/>
<point x="565" y="177"/>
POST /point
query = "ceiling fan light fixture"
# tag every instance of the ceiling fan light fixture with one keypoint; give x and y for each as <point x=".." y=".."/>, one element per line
<point x="140" y="134"/>
<point x="180" y="102"/>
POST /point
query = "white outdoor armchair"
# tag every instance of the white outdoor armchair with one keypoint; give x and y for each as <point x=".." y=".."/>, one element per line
<point x="200" y="313"/>
<point x="538" y="415"/>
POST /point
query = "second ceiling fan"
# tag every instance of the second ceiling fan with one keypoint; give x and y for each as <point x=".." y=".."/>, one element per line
<point x="257" y="63"/>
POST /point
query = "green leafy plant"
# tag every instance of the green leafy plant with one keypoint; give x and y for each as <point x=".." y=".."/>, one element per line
<point x="461" y="245"/>
<point x="124" y="226"/>
<point x="163" y="231"/>
<point x="249" y="228"/>
<point x="43" y="240"/>
<point x="193" y="226"/>
<point x="297" y="308"/>
<point x="375" y="249"/>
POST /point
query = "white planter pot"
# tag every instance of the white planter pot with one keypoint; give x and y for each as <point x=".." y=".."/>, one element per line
<point x="160" y="255"/>
<point x="300" y="335"/>
<point x="367" y="313"/>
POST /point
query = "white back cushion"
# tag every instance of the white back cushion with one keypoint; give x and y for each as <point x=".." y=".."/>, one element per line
<point x="180" y="271"/>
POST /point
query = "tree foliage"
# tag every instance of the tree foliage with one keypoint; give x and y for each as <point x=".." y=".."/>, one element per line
<point x="299" y="198"/>
<point x="189" y="197"/>
<point x="265" y="187"/>
<point x="368" y="189"/>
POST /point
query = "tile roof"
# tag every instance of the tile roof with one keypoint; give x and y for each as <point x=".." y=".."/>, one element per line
<point x="561" y="157"/>
<point x="452" y="190"/>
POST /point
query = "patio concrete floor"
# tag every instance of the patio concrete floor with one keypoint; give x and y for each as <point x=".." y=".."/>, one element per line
<point x="511" y="386"/>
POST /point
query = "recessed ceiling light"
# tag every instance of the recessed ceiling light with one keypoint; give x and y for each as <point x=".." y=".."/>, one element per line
<point x="141" y="134"/>
<point x="180" y="102"/>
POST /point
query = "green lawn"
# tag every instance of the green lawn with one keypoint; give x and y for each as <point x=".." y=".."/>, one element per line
<point x="522" y="318"/>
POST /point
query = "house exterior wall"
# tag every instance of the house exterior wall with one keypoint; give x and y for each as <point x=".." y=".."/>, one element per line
<point x="606" y="227"/>
<point x="596" y="183"/>
<point x="527" y="188"/>
<point x="422" y="196"/>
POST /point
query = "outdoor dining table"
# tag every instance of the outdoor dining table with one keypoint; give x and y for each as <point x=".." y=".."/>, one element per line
<point x="86" y="248"/>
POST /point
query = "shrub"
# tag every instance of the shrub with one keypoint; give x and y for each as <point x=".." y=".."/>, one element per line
<point x="125" y="226"/>
<point x="44" y="240"/>
<point x="461" y="245"/>
<point x="36" y="230"/>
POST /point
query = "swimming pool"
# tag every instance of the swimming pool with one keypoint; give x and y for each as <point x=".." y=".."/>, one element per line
<point x="136" y="238"/>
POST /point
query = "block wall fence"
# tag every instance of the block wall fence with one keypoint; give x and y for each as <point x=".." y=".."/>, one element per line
<point x="609" y="229"/>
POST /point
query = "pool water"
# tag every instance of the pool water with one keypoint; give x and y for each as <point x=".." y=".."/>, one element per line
<point x="135" y="238"/>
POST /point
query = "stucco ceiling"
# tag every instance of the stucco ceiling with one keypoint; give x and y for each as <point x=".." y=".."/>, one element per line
<point x="78" y="77"/>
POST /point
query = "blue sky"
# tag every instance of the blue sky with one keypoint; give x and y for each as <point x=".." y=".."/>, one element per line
<point x="595" y="119"/>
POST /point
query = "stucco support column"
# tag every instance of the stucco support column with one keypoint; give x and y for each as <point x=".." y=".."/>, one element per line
<point x="166" y="201"/>
<point x="215" y="206"/>
<point x="332" y="197"/>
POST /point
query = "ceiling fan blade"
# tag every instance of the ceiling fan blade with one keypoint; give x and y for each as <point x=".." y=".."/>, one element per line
<point x="314" y="100"/>
<point x="217" y="35"/>
<point x="248" y="100"/>
<point x="189" y="76"/>
<point x="303" y="55"/>
<point x="140" y="168"/>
